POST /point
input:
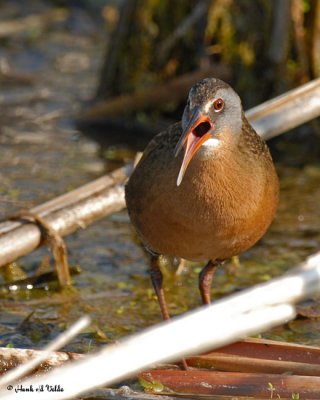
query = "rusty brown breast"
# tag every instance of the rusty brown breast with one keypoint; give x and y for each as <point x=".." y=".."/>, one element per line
<point x="227" y="193"/>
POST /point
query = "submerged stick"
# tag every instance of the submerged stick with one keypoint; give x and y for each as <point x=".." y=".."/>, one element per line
<point x="115" y="177"/>
<point x="65" y="214"/>
<point x="26" y="238"/>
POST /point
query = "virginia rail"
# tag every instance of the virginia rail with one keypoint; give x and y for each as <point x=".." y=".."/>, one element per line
<point x="205" y="188"/>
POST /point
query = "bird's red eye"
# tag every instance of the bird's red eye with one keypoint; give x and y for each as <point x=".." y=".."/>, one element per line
<point x="218" y="105"/>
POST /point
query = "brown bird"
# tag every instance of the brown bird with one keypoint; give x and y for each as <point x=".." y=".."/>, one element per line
<point x="205" y="188"/>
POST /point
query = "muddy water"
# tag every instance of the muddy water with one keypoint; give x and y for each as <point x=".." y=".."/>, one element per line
<point x="42" y="155"/>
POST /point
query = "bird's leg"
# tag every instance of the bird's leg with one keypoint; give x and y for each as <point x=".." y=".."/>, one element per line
<point x="157" y="279"/>
<point x="205" y="280"/>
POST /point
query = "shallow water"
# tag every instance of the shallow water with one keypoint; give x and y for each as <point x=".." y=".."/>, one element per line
<point x="42" y="155"/>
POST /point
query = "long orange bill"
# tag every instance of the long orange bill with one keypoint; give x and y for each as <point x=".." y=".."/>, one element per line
<point x="195" y="134"/>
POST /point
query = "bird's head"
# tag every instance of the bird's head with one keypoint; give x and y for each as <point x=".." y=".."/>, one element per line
<point x="212" y="111"/>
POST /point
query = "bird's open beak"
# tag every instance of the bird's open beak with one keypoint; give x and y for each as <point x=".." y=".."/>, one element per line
<point x="197" y="131"/>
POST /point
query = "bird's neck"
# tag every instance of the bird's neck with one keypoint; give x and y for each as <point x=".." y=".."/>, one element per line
<point x="223" y="142"/>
